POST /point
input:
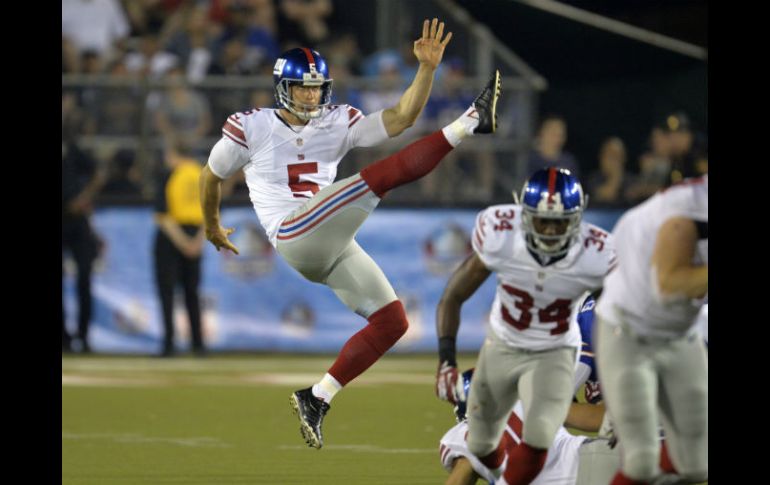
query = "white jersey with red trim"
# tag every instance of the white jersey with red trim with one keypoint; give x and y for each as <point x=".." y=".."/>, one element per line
<point x="561" y="463"/>
<point x="285" y="165"/>
<point x="533" y="303"/>
<point x="630" y="293"/>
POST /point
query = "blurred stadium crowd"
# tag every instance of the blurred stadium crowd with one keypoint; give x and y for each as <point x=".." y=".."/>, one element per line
<point x="139" y="79"/>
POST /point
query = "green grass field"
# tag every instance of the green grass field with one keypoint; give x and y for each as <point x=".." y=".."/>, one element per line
<point x="227" y="420"/>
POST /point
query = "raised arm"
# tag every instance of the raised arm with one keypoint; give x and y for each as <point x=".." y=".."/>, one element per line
<point x="429" y="49"/>
<point x="461" y="286"/>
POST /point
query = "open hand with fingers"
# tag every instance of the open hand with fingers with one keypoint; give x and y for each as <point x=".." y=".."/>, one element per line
<point x="429" y="49"/>
<point x="218" y="237"/>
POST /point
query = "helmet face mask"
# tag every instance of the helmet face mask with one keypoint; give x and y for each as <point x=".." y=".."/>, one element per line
<point x="305" y="67"/>
<point x="553" y="204"/>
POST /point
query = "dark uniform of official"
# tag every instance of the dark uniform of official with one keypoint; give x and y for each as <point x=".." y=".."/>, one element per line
<point x="178" y="198"/>
<point x="77" y="237"/>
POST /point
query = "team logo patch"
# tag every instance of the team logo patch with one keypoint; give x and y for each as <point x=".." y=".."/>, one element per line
<point x="298" y="319"/>
<point x="256" y="256"/>
<point x="445" y="248"/>
<point x="279" y="65"/>
<point x="550" y="202"/>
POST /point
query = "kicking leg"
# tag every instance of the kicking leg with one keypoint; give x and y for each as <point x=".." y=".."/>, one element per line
<point x="422" y="156"/>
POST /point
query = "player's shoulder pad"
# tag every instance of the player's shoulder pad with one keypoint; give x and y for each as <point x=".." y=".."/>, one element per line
<point x="350" y="115"/>
<point x="598" y="247"/>
<point x="248" y="127"/>
<point x="494" y="227"/>
<point x="252" y="115"/>
<point x="344" y="114"/>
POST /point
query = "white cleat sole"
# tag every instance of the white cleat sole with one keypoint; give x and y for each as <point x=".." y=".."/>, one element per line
<point x="305" y="429"/>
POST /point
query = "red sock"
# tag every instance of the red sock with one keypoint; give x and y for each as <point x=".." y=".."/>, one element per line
<point x="363" y="349"/>
<point x="494" y="459"/>
<point x="524" y="464"/>
<point x="621" y="479"/>
<point x="407" y="164"/>
<point x="665" y="460"/>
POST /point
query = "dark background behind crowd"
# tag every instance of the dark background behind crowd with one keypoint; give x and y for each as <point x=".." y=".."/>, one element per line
<point x="627" y="117"/>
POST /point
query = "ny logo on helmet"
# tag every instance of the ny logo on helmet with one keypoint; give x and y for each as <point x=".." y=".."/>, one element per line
<point x="279" y="64"/>
<point x="550" y="202"/>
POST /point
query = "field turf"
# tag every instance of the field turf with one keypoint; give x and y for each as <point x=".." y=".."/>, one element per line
<point x="227" y="420"/>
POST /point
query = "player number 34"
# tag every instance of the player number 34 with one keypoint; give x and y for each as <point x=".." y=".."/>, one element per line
<point x="558" y="311"/>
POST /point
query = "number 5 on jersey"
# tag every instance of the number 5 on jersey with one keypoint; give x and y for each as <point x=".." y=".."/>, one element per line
<point x="297" y="169"/>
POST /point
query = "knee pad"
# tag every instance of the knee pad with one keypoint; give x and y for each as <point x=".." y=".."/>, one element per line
<point x="539" y="433"/>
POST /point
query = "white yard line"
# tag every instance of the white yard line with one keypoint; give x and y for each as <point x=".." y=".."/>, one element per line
<point x="364" y="449"/>
<point x="270" y="379"/>
<point x="135" y="438"/>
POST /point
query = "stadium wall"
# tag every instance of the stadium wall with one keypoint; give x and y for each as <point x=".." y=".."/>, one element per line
<point x="256" y="302"/>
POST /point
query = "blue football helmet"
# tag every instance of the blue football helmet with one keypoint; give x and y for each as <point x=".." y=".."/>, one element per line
<point x="306" y="67"/>
<point x="462" y="403"/>
<point x="553" y="203"/>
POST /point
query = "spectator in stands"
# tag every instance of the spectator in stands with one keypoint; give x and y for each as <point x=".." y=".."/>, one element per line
<point x="123" y="178"/>
<point x="654" y="167"/>
<point x="150" y="60"/>
<point x="343" y="54"/>
<point x="389" y="86"/>
<point x="548" y="148"/>
<point x="179" y="242"/>
<point x="192" y="44"/>
<point x="183" y="113"/>
<point x="70" y="57"/>
<point x="261" y="41"/>
<point x="81" y="180"/>
<point x="607" y="185"/>
<point x="303" y="22"/>
<point x="247" y="44"/>
<point x="114" y="110"/>
<point x="146" y="16"/>
<point x="89" y="97"/>
<point x="689" y="150"/>
<point x="99" y="26"/>
<point x="466" y="175"/>
<point x="344" y="61"/>
<point x="231" y="59"/>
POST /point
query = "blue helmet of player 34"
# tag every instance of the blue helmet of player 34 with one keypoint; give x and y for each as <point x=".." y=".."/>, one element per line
<point x="553" y="202"/>
<point x="305" y="67"/>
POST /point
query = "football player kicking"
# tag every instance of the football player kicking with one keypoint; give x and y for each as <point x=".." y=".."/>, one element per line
<point x="289" y="157"/>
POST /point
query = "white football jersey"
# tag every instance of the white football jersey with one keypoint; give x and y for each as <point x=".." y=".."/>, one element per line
<point x="630" y="294"/>
<point x="285" y="165"/>
<point x="561" y="463"/>
<point x="533" y="303"/>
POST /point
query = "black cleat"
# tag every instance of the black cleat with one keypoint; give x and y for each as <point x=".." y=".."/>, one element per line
<point x="486" y="105"/>
<point x="311" y="412"/>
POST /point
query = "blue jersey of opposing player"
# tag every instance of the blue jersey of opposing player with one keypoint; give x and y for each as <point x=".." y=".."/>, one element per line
<point x="586" y="369"/>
